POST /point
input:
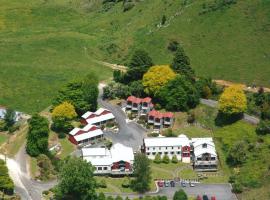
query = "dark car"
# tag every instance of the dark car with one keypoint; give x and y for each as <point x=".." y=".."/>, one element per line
<point x="205" y="197"/>
<point x="172" y="184"/>
<point x="160" y="183"/>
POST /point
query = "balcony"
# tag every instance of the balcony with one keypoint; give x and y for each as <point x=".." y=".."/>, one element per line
<point x="201" y="162"/>
<point x="129" y="105"/>
<point x="121" y="172"/>
<point x="150" y="120"/>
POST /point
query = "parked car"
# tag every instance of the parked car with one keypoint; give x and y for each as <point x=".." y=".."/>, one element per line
<point x="191" y="184"/>
<point x="205" y="197"/>
<point x="167" y="183"/>
<point x="199" y="197"/>
<point x="172" y="184"/>
<point x="160" y="183"/>
<point x="213" y="198"/>
<point x="183" y="184"/>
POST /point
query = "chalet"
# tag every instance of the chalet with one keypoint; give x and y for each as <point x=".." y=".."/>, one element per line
<point x="204" y="154"/>
<point x="110" y="161"/>
<point x="160" y="120"/>
<point x="98" y="118"/>
<point x="140" y="105"/>
<point x="179" y="146"/>
<point x="87" y="135"/>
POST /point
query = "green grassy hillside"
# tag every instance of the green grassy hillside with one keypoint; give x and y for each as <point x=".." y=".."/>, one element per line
<point x="44" y="43"/>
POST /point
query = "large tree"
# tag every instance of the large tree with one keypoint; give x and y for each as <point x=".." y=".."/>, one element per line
<point x="156" y="77"/>
<point x="90" y="90"/>
<point x="233" y="100"/>
<point x="237" y="153"/>
<point x="179" y="94"/>
<point x="64" y="110"/>
<point x="37" y="137"/>
<point x="82" y="94"/>
<point x="139" y="64"/>
<point x="9" y="117"/>
<point x="180" y="195"/>
<point x="142" y="173"/>
<point x="181" y="63"/>
<point x="6" y="183"/>
<point x="76" y="180"/>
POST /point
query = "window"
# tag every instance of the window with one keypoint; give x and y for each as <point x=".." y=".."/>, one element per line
<point x="148" y="154"/>
<point x="172" y="147"/>
<point x="159" y="148"/>
<point x="199" y="158"/>
<point x="99" y="168"/>
<point x="213" y="158"/>
<point x="166" y="147"/>
<point x="154" y="148"/>
<point x="178" y="147"/>
<point x="204" y="145"/>
<point x="160" y="153"/>
<point x="105" y="168"/>
<point x="172" y="152"/>
<point x="148" y="148"/>
<point x="166" y="153"/>
<point x="154" y="153"/>
<point x="178" y="152"/>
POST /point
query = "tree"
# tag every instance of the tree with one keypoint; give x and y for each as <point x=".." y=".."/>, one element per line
<point x="237" y="153"/>
<point x="156" y="77"/>
<point x="163" y="20"/>
<point x="206" y="87"/>
<point x="173" y="45"/>
<point x="46" y="168"/>
<point x="181" y="63"/>
<point x="37" y="137"/>
<point x="61" y="125"/>
<point x="139" y="64"/>
<point x="76" y="180"/>
<point x="263" y="127"/>
<point x="157" y="158"/>
<point x="178" y="94"/>
<point x="9" y="118"/>
<point x="90" y="90"/>
<point x="142" y="173"/>
<point x="166" y="159"/>
<point x="136" y="88"/>
<point x="101" y="196"/>
<point x="260" y="97"/>
<point x="65" y="110"/>
<point x="180" y="195"/>
<point x="174" y="159"/>
<point x="126" y="182"/>
<point x="233" y="100"/>
<point x="6" y="183"/>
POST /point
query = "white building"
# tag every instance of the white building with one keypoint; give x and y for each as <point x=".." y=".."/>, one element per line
<point x="204" y="154"/>
<point x="3" y="110"/>
<point x="179" y="146"/>
<point x="101" y="116"/>
<point x="116" y="161"/>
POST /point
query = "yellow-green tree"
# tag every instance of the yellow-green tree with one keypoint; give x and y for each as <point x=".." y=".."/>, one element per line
<point x="233" y="100"/>
<point x="64" y="110"/>
<point x="156" y="77"/>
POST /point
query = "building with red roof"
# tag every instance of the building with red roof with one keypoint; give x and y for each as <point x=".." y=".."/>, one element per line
<point x="160" y="120"/>
<point x="140" y="105"/>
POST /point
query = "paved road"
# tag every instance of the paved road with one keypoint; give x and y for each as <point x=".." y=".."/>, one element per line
<point x="248" y="118"/>
<point x="220" y="191"/>
<point x="130" y="134"/>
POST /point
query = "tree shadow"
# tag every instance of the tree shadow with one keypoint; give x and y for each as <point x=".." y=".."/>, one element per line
<point x="223" y="119"/>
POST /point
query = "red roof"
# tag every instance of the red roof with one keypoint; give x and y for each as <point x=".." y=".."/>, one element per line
<point x="168" y="114"/>
<point x="147" y="100"/>
<point x="134" y="99"/>
<point x="131" y="98"/>
<point x="158" y="114"/>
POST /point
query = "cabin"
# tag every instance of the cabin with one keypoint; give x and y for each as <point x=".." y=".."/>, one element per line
<point x="100" y="117"/>
<point x="139" y="105"/>
<point x="90" y="134"/>
<point x="110" y="161"/>
<point x="204" y="154"/>
<point x="160" y="120"/>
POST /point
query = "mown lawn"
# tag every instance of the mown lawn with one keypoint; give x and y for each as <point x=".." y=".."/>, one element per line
<point x="44" y="44"/>
<point x="3" y="138"/>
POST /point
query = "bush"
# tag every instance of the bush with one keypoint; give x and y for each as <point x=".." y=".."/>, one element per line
<point x="166" y="159"/>
<point x="153" y="134"/>
<point x="191" y="117"/>
<point x="173" y="45"/>
<point x="174" y="159"/>
<point x="61" y="135"/>
<point x="157" y="159"/>
<point x="13" y="128"/>
<point x="263" y="127"/>
<point x="126" y="182"/>
<point x="169" y="133"/>
<point x="237" y="187"/>
<point x="2" y="125"/>
<point x="102" y="184"/>
<point x="128" y="6"/>
<point x="46" y="192"/>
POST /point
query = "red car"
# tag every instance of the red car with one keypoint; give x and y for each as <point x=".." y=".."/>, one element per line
<point x="213" y="198"/>
<point x="160" y="183"/>
<point x="199" y="197"/>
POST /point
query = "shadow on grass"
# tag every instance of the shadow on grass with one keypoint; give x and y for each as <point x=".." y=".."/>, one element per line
<point x="223" y="119"/>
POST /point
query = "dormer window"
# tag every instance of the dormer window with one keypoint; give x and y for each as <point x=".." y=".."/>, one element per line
<point x="204" y="145"/>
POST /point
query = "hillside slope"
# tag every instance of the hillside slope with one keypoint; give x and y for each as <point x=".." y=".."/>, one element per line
<point x="44" y="43"/>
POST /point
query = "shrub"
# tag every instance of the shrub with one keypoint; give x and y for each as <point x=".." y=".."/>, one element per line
<point x="153" y="134"/>
<point x="191" y="117"/>
<point x="157" y="159"/>
<point x="169" y="133"/>
<point x="166" y="159"/>
<point x="46" y="192"/>
<point x="13" y="128"/>
<point x="128" y="6"/>
<point x="61" y="135"/>
<point x="102" y="184"/>
<point x="174" y="159"/>
<point x="126" y="182"/>
<point x="173" y="45"/>
<point x="237" y="187"/>
<point x="263" y="127"/>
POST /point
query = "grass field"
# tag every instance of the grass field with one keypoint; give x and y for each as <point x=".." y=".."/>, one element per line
<point x="44" y="44"/>
<point x="3" y="138"/>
